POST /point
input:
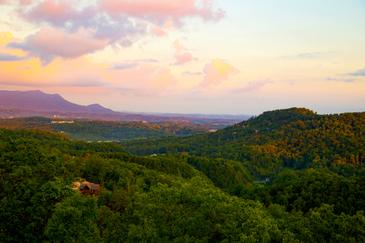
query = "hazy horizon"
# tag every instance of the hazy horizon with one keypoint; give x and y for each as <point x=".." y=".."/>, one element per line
<point x="190" y="56"/>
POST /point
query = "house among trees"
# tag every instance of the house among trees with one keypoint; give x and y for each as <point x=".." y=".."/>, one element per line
<point x="86" y="187"/>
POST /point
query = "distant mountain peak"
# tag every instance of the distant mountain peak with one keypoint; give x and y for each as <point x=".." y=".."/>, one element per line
<point x="95" y="106"/>
<point x="32" y="91"/>
<point x="36" y="100"/>
<point x="283" y="116"/>
<point x="98" y="108"/>
<point x="294" y="110"/>
<point x="276" y="118"/>
<point x="287" y="113"/>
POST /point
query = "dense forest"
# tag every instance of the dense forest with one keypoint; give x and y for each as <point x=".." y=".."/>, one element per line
<point x="90" y="130"/>
<point x="285" y="176"/>
<point x="292" y="138"/>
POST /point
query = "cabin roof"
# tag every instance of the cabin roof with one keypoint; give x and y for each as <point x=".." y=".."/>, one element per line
<point x="91" y="186"/>
<point x="85" y="186"/>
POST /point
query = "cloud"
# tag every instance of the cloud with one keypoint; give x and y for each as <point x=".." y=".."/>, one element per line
<point x="128" y="64"/>
<point x="50" y="43"/>
<point x="5" y="38"/>
<point x="182" y="55"/>
<point x="77" y="28"/>
<point x="82" y="81"/>
<point x="118" y="20"/>
<point x="148" y="77"/>
<point x="158" y="31"/>
<point x="70" y="17"/>
<point x="65" y="13"/>
<point x="122" y="66"/>
<point x="254" y="86"/>
<point x="161" y="11"/>
<point x="358" y="73"/>
<point x="309" y="55"/>
<point x="346" y="80"/>
<point x="148" y="60"/>
<point x="217" y="71"/>
<point x="79" y="83"/>
<point x="10" y="58"/>
<point x="188" y="73"/>
<point x="20" y="2"/>
<point x="54" y="12"/>
<point x="182" y="58"/>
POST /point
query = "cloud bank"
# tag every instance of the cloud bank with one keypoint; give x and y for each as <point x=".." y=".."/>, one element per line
<point x="49" y="43"/>
<point x="69" y="29"/>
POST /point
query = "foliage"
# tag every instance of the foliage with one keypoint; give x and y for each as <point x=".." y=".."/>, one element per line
<point x="287" y="176"/>
<point x="308" y="189"/>
<point x="106" y="130"/>
<point x="294" y="138"/>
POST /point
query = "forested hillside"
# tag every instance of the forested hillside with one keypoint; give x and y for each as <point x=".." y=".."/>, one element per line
<point x="285" y="176"/>
<point x="89" y="130"/>
<point x="293" y="138"/>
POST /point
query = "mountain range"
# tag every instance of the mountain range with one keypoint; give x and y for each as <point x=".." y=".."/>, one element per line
<point x="37" y="103"/>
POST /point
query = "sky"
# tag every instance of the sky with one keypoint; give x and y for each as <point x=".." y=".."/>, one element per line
<point x="188" y="56"/>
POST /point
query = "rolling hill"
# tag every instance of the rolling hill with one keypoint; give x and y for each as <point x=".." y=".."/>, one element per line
<point x="294" y="138"/>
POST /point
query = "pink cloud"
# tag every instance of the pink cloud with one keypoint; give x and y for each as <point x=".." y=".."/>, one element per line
<point x="21" y="2"/>
<point x="182" y="55"/>
<point x="25" y="2"/>
<point x="77" y="29"/>
<point x="163" y="10"/>
<point x="153" y="12"/>
<point x="217" y="71"/>
<point x="182" y="58"/>
<point x="158" y="31"/>
<point x="52" y="11"/>
<point x="60" y="13"/>
<point x="50" y="43"/>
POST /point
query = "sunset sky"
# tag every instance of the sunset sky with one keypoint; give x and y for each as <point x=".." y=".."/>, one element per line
<point x="188" y="56"/>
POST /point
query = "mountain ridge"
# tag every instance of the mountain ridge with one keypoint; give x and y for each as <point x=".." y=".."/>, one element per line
<point x="294" y="138"/>
<point x="37" y="100"/>
<point x="16" y="104"/>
